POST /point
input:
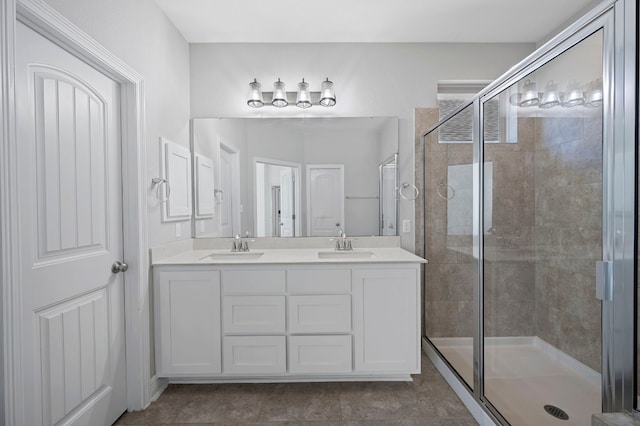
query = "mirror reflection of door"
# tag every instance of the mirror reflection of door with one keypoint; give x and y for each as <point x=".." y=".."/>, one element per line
<point x="276" y="198"/>
<point x="325" y="200"/>
<point x="229" y="202"/>
<point x="388" y="196"/>
<point x="276" y="212"/>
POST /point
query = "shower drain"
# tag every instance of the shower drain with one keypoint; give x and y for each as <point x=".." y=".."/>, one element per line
<point x="556" y="412"/>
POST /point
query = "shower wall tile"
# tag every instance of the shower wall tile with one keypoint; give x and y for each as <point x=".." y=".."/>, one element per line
<point x="578" y="339"/>
<point x="568" y="238"/>
<point x="552" y="131"/>
<point x="424" y="118"/>
<point x="503" y="319"/>
<point x="449" y="275"/>
<point x="510" y="281"/>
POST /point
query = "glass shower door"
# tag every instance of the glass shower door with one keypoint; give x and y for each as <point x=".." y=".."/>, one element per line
<point x="542" y="149"/>
<point x="450" y="275"/>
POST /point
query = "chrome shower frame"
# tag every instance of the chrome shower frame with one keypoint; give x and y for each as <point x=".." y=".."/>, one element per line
<point x="617" y="19"/>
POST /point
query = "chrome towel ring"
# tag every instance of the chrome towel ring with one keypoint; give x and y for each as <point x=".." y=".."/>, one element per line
<point x="450" y="191"/>
<point x="158" y="182"/>
<point x="415" y="192"/>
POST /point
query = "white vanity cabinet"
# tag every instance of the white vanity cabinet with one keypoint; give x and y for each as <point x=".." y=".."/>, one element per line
<point x="347" y="321"/>
<point x="187" y="321"/>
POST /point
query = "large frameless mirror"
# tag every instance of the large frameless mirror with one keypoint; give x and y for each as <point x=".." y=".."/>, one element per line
<point x="295" y="177"/>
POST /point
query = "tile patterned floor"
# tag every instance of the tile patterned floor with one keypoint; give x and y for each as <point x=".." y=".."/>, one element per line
<point x="428" y="401"/>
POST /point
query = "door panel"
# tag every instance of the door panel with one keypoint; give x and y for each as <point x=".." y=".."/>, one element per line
<point x="70" y="198"/>
<point x="325" y="200"/>
<point x="542" y="323"/>
<point x="226" y="205"/>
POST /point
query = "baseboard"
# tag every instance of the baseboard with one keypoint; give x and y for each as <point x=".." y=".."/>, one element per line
<point x="157" y="385"/>
<point x="291" y="379"/>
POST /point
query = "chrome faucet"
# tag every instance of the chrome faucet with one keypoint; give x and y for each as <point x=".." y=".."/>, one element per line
<point x="239" y="244"/>
<point x="343" y="243"/>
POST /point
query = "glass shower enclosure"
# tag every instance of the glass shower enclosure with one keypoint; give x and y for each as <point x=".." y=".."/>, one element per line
<point x="528" y="219"/>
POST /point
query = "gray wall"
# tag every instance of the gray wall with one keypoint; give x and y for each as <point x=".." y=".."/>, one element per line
<point x="140" y="34"/>
<point x="387" y="79"/>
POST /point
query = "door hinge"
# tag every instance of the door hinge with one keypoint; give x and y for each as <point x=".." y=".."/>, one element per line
<point x="604" y="280"/>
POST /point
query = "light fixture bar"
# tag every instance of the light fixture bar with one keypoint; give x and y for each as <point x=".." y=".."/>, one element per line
<point x="283" y="98"/>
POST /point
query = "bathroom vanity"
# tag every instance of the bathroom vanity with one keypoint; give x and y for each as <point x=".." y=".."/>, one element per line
<point x="287" y="314"/>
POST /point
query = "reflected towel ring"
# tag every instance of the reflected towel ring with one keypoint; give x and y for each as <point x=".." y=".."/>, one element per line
<point x="158" y="182"/>
<point x="219" y="192"/>
<point x="449" y="189"/>
<point x="414" y="189"/>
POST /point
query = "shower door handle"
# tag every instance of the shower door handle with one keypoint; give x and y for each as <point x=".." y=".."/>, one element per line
<point x="604" y="280"/>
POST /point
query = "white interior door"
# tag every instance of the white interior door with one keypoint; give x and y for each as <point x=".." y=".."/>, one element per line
<point x="227" y="198"/>
<point x="205" y="202"/>
<point x="70" y="199"/>
<point x="287" y="202"/>
<point x="325" y="200"/>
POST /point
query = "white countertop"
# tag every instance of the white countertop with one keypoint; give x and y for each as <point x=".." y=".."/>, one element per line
<point x="297" y="255"/>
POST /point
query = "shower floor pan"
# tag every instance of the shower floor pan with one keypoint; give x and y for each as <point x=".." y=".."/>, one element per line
<point x="523" y="374"/>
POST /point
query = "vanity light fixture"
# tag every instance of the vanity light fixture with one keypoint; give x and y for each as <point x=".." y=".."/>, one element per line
<point x="327" y="95"/>
<point x="551" y="96"/>
<point x="575" y="94"/>
<point x="279" y="95"/>
<point x="280" y="98"/>
<point x="593" y="97"/>
<point x="255" y="95"/>
<point x="303" y="100"/>
<point x="530" y="96"/>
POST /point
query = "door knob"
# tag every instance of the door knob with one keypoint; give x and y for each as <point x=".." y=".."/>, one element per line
<point x="119" y="267"/>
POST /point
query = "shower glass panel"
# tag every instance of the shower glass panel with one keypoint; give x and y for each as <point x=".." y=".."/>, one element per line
<point x="450" y="274"/>
<point x="542" y="150"/>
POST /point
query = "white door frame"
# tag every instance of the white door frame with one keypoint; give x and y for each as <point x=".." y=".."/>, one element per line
<point x="37" y="15"/>
<point x="298" y="172"/>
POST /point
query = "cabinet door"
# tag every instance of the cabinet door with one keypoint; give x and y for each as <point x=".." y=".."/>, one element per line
<point x="386" y="330"/>
<point x="187" y="323"/>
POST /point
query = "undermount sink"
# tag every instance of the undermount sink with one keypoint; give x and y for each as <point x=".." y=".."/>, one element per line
<point x="229" y="255"/>
<point x="356" y="254"/>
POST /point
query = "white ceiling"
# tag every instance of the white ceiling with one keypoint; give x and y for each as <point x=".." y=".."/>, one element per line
<point x="326" y="21"/>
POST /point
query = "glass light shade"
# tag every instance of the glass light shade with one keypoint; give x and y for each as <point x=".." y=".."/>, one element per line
<point x="593" y="98"/>
<point x="530" y="95"/>
<point x="279" y="95"/>
<point x="255" y="95"/>
<point x="574" y="95"/>
<point x="551" y="96"/>
<point x="303" y="99"/>
<point x="327" y="96"/>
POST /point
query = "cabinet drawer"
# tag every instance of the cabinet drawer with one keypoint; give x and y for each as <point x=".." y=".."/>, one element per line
<point x="320" y="314"/>
<point x="319" y="281"/>
<point x="320" y="354"/>
<point x="251" y="282"/>
<point x="254" y="355"/>
<point x="253" y="314"/>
